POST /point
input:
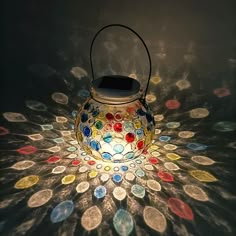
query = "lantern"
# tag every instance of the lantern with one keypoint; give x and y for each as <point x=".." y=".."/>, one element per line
<point x="115" y="124"/>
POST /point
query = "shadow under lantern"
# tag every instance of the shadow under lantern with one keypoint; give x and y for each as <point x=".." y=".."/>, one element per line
<point x="115" y="124"/>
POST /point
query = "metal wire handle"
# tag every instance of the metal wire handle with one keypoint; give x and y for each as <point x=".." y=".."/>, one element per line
<point x="126" y="27"/>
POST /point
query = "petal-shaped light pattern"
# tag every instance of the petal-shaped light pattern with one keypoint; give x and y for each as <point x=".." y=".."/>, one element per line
<point x="40" y="198"/>
<point x="91" y="218"/>
<point x="14" y="117"/>
<point x="27" y="182"/>
<point x="154" y="219"/>
<point x="180" y="208"/>
<point x="60" y="98"/>
<point x="203" y="176"/>
<point x="68" y="179"/>
<point x="22" y="165"/>
<point x="195" y="192"/>
<point x="198" y="113"/>
<point x="62" y="211"/>
<point x="123" y="222"/>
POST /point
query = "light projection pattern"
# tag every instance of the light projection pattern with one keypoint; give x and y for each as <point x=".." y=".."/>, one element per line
<point x="48" y="175"/>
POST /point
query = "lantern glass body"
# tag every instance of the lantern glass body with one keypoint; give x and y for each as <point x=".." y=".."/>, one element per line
<point x="114" y="132"/>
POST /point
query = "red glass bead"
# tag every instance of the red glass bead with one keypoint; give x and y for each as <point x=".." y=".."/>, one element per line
<point x="118" y="127"/>
<point x="109" y="116"/>
<point x="129" y="137"/>
<point x="140" y="144"/>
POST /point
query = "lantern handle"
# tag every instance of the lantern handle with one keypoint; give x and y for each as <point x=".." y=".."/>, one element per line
<point x="126" y="27"/>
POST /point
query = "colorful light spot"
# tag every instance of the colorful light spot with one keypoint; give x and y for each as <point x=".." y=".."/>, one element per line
<point x="153" y="160"/>
<point x="172" y="104"/>
<point x="198" y="113"/>
<point x="202" y="176"/>
<point x="225" y="126"/>
<point x="138" y="191"/>
<point x="27" y="182"/>
<point x="197" y="146"/>
<point x="93" y="174"/>
<point x="173" y="125"/>
<point x="14" y="117"/>
<point x="164" y="138"/>
<point x="154" y="219"/>
<point x="68" y="179"/>
<point x="62" y="211"/>
<point x="222" y="92"/>
<point x="27" y="150"/>
<point x="60" y="98"/>
<point x="91" y="218"/>
<point x="186" y="134"/>
<point x="53" y="159"/>
<point x="165" y="176"/>
<point x="123" y="222"/>
<point x="171" y="166"/>
<point x="119" y="193"/>
<point x="100" y="192"/>
<point x="75" y="163"/>
<point x="153" y="185"/>
<point x="91" y="162"/>
<point x="58" y="169"/>
<point x="117" y="178"/>
<point x="173" y="156"/>
<point x="180" y="208"/>
<point x="23" y="165"/>
<point x="195" y="192"/>
<point x="3" y="131"/>
<point x="203" y="160"/>
<point x="40" y="198"/>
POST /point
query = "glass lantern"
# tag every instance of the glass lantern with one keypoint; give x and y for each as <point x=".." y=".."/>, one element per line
<point x="115" y="124"/>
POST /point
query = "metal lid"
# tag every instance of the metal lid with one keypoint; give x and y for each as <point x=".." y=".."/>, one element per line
<point x="115" y="89"/>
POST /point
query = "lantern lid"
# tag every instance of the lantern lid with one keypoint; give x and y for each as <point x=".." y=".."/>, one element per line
<point x="115" y="89"/>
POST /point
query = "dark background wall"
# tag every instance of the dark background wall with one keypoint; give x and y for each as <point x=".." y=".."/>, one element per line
<point x="59" y="33"/>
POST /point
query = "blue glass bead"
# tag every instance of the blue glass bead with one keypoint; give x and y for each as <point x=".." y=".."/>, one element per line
<point x="106" y="155"/>
<point x="118" y="148"/>
<point x="87" y="131"/>
<point x="107" y="138"/>
<point x="129" y="155"/>
<point x="95" y="145"/>
<point x="84" y="117"/>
